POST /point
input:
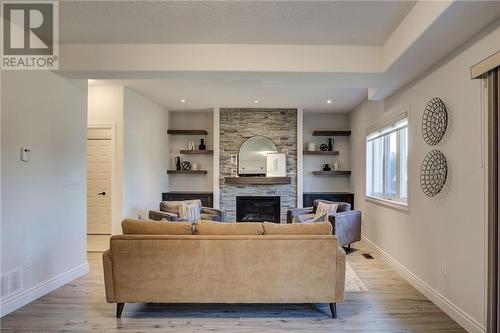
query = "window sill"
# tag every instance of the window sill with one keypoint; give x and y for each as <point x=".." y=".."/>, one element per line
<point x="389" y="203"/>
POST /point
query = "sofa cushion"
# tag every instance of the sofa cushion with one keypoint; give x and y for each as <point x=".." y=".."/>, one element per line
<point x="173" y="206"/>
<point x="319" y="228"/>
<point x="222" y="228"/>
<point x="148" y="227"/>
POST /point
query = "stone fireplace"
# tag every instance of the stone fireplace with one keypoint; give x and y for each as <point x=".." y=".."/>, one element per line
<point x="237" y="125"/>
<point x="258" y="209"/>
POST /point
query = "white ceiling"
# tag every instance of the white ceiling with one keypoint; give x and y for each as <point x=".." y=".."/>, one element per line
<point x="231" y="22"/>
<point x="340" y="49"/>
<point x="241" y="93"/>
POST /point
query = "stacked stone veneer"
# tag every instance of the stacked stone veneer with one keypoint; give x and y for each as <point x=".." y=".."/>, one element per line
<point x="237" y="125"/>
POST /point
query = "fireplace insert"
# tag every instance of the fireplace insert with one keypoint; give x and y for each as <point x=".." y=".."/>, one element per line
<point x="258" y="209"/>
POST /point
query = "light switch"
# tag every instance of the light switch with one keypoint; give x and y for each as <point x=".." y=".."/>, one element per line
<point x="73" y="180"/>
<point x="25" y="154"/>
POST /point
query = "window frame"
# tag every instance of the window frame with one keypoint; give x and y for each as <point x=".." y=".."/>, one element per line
<point x="384" y="200"/>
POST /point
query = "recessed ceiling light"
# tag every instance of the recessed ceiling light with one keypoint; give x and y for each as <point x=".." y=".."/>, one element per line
<point x="328" y="101"/>
<point x="183" y="100"/>
<point x="256" y="101"/>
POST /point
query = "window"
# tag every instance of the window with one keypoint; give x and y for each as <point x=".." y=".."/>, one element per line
<point x="387" y="161"/>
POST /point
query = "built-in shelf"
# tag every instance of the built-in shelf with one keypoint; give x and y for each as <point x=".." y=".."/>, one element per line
<point x="187" y="172"/>
<point x="197" y="152"/>
<point x="331" y="133"/>
<point x="187" y="132"/>
<point x="257" y="180"/>
<point x="332" y="173"/>
<point x="319" y="152"/>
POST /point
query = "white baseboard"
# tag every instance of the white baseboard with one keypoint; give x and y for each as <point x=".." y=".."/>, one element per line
<point x="462" y="318"/>
<point x="27" y="296"/>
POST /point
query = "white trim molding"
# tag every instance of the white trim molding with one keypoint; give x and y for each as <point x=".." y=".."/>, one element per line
<point x="300" y="158"/>
<point x="478" y="70"/>
<point x="216" y="157"/>
<point x="27" y="296"/>
<point x="461" y="317"/>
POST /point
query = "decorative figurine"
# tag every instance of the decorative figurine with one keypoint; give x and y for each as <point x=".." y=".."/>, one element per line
<point x="178" y="163"/>
<point x="233" y="166"/>
<point x="330" y="144"/>
<point x="335" y="166"/>
<point x="191" y="146"/>
<point x="202" y="145"/>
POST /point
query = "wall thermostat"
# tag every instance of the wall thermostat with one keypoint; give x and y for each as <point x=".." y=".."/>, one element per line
<point x="25" y="154"/>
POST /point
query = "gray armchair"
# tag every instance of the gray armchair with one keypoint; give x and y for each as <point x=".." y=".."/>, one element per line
<point x="346" y="222"/>
<point x="169" y="210"/>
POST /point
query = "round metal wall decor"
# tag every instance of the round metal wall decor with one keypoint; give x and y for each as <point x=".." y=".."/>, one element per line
<point x="433" y="173"/>
<point x="434" y="121"/>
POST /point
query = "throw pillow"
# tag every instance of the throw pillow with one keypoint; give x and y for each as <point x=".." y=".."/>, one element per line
<point x="324" y="210"/>
<point x="189" y="212"/>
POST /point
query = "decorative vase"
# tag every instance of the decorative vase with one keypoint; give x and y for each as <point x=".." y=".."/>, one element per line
<point x="336" y="166"/>
<point x="177" y="163"/>
<point x="323" y="147"/>
<point x="311" y="146"/>
<point x="326" y="167"/>
<point x="330" y="144"/>
<point x="202" y="145"/>
<point x="195" y="166"/>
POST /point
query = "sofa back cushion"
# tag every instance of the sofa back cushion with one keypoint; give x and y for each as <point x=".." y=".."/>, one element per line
<point x="173" y="206"/>
<point x="148" y="227"/>
<point x="342" y="206"/>
<point x="318" y="228"/>
<point x="221" y="228"/>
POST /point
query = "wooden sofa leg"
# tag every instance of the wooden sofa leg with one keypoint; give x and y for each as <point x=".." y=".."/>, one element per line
<point x="119" y="309"/>
<point x="333" y="310"/>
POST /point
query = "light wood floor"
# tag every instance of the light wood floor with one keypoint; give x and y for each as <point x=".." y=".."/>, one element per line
<point x="390" y="305"/>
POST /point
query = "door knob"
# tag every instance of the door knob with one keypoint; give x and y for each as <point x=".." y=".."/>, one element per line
<point x="101" y="193"/>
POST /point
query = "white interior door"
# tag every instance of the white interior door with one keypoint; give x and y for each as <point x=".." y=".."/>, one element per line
<point x="99" y="163"/>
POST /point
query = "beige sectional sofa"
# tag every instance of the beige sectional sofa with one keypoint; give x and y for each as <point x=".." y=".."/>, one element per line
<point x="211" y="262"/>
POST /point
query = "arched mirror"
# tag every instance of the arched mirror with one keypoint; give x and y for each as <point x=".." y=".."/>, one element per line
<point x="252" y="155"/>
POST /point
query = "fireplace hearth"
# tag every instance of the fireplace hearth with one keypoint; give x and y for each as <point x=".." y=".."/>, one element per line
<point x="258" y="209"/>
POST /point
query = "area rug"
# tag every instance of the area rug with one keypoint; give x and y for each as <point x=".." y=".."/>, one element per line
<point x="352" y="281"/>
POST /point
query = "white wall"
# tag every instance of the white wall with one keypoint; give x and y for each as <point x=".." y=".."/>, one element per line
<point x="191" y="120"/>
<point x="146" y="155"/>
<point x="325" y="121"/>
<point x="105" y="106"/>
<point x="449" y="229"/>
<point x="44" y="201"/>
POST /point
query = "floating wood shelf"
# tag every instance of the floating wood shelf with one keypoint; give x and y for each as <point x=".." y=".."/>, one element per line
<point x="331" y="133"/>
<point x="187" y="132"/>
<point x="257" y="180"/>
<point x="319" y="152"/>
<point x="199" y="152"/>
<point x="187" y="172"/>
<point x="332" y="173"/>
